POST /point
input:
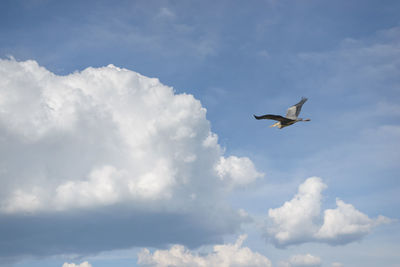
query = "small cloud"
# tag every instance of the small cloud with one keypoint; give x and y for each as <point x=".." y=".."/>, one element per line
<point x="298" y="220"/>
<point x="83" y="264"/>
<point x="300" y="260"/>
<point x="222" y="256"/>
<point x="238" y="171"/>
<point x="305" y="260"/>
<point x="294" y="222"/>
<point x="346" y="224"/>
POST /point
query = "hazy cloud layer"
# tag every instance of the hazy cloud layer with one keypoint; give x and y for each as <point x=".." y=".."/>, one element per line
<point x="108" y="143"/>
<point x="299" y="220"/>
<point x="227" y="255"/>
<point x="360" y="65"/>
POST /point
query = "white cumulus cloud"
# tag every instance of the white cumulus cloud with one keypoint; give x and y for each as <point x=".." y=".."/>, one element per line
<point x="299" y="220"/>
<point x="228" y="255"/>
<point x="113" y="140"/>
<point x="305" y="260"/>
<point x="346" y="223"/>
<point x="239" y="171"/>
<point x="83" y="264"/>
<point x="301" y="260"/>
<point x="295" y="221"/>
<point x="104" y="136"/>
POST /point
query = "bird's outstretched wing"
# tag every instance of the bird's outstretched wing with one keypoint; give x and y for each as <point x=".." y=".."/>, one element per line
<point x="294" y="110"/>
<point x="272" y="117"/>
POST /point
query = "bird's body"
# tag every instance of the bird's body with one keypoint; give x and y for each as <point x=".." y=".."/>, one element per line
<point x="290" y="118"/>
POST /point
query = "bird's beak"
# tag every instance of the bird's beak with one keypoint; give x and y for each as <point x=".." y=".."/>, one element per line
<point x="307" y="120"/>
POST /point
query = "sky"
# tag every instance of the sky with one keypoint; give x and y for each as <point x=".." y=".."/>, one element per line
<point x="127" y="133"/>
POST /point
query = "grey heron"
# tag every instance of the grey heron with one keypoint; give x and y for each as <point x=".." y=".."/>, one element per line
<point x="290" y="118"/>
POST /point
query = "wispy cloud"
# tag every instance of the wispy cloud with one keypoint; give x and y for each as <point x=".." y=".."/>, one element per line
<point x="358" y="67"/>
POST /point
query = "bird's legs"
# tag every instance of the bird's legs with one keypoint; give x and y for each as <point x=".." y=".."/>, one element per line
<point x="276" y="124"/>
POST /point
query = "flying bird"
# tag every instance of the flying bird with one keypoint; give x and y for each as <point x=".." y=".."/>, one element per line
<point x="290" y="118"/>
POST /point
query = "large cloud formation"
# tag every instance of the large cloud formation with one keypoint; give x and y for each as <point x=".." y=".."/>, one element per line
<point x="299" y="220"/>
<point x="106" y="154"/>
<point x="222" y="256"/>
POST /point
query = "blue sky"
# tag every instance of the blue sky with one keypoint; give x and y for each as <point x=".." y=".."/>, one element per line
<point x="238" y="58"/>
